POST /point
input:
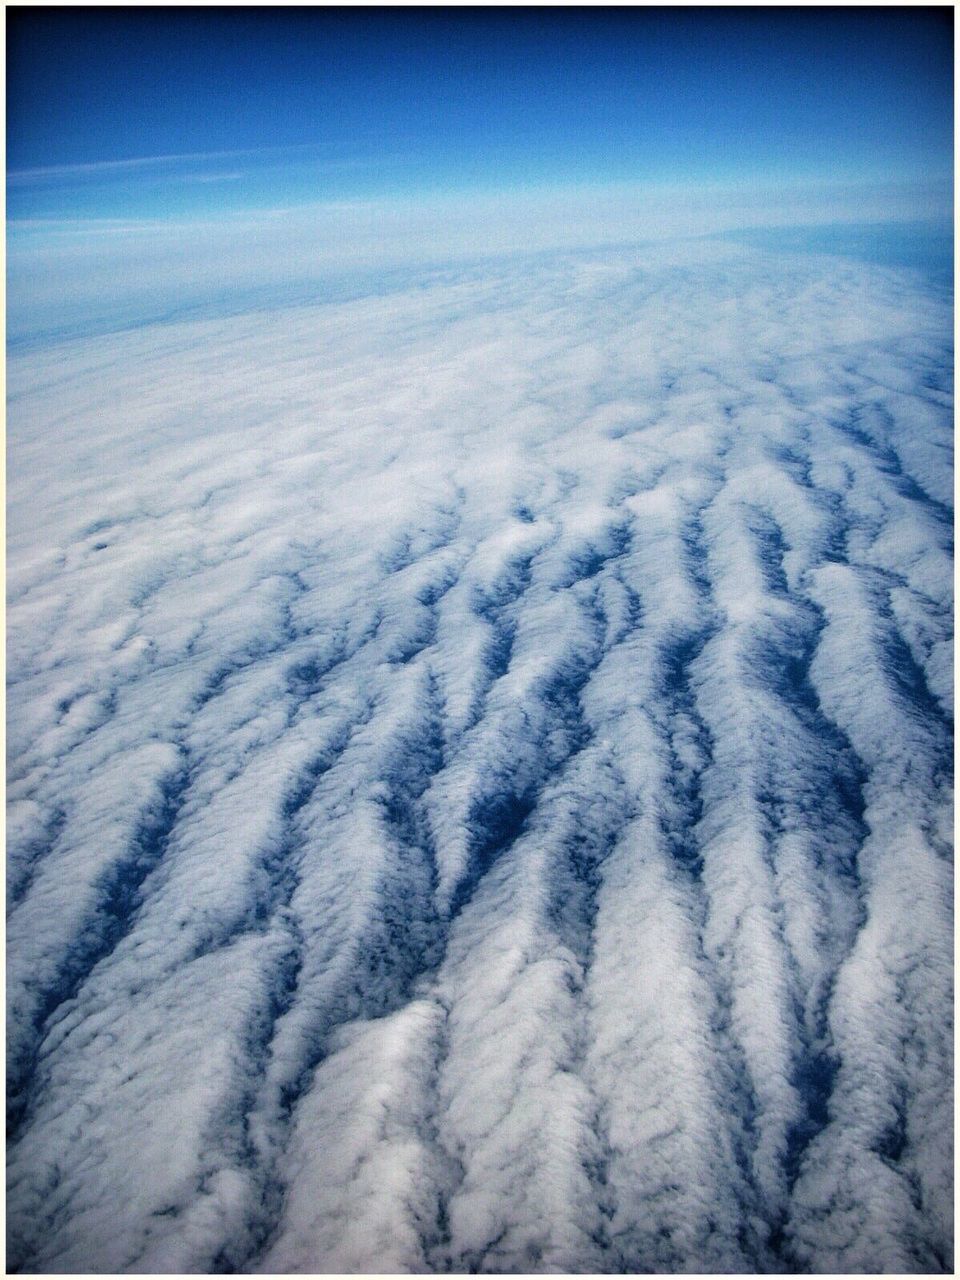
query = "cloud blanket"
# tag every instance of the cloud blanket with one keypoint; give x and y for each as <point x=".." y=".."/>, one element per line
<point x="480" y="764"/>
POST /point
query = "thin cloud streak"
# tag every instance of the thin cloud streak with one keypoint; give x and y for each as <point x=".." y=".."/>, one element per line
<point x="136" y="163"/>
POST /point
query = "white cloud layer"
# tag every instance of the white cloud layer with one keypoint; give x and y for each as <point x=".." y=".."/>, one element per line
<point x="480" y="777"/>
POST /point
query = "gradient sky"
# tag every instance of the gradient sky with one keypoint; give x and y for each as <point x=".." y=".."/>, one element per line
<point x="251" y="108"/>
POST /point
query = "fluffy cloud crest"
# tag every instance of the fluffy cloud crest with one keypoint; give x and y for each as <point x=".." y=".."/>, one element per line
<point x="480" y="777"/>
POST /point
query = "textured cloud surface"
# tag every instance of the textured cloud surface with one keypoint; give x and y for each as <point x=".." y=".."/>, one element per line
<point x="480" y="777"/>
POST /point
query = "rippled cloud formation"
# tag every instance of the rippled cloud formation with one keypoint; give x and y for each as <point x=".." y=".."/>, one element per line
<point x="480" y="777"/>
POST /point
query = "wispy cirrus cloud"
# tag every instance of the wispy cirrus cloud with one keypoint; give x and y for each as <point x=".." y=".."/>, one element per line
<point x="166" y="162"/>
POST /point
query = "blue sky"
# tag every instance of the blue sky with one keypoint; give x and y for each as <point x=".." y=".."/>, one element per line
<point x="258" y="108"/>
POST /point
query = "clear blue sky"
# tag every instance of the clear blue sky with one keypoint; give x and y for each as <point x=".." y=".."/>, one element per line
<point x="316" y="103"/>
